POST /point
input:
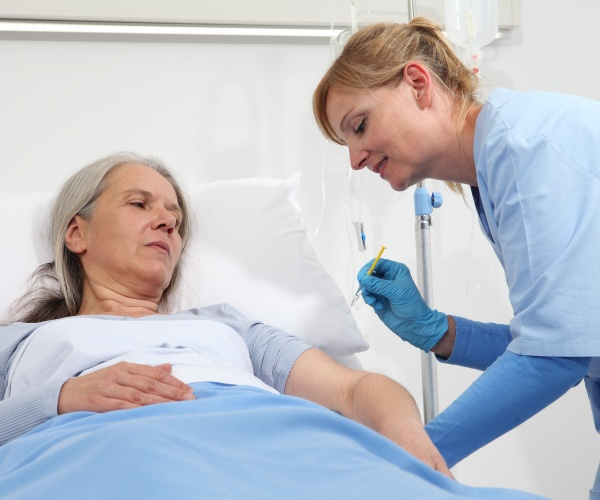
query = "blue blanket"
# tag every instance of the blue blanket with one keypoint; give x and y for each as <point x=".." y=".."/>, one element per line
<point x="232" y="442"/>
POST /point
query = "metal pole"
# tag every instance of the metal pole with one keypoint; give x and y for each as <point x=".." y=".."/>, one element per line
<point x="411" y="9"/>
<point x="425" y="285"/>
<point x="424" y="204"/>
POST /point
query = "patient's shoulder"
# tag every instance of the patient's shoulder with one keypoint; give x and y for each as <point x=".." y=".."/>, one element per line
<point x="12" y="333"/>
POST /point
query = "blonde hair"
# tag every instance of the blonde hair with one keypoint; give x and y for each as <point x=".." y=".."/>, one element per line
<point x="375" y="56"/>
<point x="57" y="287"/>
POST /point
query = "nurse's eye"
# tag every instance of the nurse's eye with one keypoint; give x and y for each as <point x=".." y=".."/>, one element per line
<point x="361" y="127"/>
<point x="139" y="204"/>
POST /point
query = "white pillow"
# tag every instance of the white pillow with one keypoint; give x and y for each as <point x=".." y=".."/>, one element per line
<point x="24" y="244"/>
<point x="249" y="249"/>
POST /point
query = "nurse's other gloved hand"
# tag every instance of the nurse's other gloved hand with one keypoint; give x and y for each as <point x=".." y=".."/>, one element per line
<point x="394" y="296"/>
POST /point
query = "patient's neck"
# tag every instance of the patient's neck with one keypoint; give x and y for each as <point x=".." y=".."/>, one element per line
<point x="101" y="300"/>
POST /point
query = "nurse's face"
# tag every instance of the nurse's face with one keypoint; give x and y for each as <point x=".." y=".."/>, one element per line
<point x="387" y="130"/>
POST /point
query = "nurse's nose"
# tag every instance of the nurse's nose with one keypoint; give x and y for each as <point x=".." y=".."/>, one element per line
<point x="358" y="158"/>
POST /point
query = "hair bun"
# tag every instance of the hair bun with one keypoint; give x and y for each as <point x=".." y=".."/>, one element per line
<point x="425" y="24"/>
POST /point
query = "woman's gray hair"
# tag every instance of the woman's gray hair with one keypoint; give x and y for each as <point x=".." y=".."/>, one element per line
<point x="78" y="196"/>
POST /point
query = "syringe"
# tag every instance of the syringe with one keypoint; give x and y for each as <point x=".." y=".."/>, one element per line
<point x="369" y="272"/>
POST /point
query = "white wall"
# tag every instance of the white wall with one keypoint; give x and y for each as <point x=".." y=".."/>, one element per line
<point x="218" y="109"/>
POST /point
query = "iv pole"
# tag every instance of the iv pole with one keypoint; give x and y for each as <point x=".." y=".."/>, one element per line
<point x="424" y="205"/>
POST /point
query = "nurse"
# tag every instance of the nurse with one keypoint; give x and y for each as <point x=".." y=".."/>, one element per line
<point x="408" y="109"/>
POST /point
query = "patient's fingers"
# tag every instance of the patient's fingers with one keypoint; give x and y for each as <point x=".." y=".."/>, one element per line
<point x="144" y="385"/>
<point x="154" y="379"/>
<point x="122" y="386"/>
<point x="429" y="454"/>
<point x="412" y="437"/>
<point x="432" y="457"/>
<point x="440" y="466"/>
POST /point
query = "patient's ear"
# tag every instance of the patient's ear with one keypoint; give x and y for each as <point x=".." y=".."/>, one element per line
<point x="75" y="236"/>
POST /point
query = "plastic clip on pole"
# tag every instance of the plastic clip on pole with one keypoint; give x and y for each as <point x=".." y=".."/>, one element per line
<point x="424" y="205"/>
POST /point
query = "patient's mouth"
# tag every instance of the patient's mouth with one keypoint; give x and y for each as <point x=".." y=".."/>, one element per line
<point x="160" y="244"/>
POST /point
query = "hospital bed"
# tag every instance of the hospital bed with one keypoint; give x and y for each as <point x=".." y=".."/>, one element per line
<point x="250" y="250"/>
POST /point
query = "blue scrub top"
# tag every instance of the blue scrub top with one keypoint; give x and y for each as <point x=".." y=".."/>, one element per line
<point x="537" y="157"/>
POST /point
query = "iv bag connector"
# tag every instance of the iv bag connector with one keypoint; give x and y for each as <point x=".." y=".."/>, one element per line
<point x="361" y="237"/>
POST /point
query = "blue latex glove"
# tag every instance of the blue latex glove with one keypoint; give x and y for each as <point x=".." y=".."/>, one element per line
<point x="391" y="291"/>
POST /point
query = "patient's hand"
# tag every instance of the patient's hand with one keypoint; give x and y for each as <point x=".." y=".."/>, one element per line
<point x="122" y="386"/>
<point x="410" y="434"/>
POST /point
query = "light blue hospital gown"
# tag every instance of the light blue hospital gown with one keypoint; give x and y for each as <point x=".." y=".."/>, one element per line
<point x="537" y="157"/>
<point x="233" y="441"/>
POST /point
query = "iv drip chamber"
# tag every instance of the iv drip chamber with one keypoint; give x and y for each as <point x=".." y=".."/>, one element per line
<point x="471" y="24"/>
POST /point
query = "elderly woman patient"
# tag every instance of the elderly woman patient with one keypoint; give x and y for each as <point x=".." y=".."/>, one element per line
<point x="94" y="350"/>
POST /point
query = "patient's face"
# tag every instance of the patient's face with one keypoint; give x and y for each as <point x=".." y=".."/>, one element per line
<point x="132" y="240"/>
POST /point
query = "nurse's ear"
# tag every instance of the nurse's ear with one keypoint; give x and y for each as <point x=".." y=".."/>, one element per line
<point x="75" y="235"/>
<point x="419" y="78"/>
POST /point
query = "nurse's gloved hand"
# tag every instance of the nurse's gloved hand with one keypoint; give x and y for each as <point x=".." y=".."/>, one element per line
<point x="394" y="296"/>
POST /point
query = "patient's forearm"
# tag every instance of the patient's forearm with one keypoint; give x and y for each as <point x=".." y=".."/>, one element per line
<point x="368" y="398"/>
<point x="21" y="413"/>
<point x="371" y="399"/>
<point x="388" y="408"/>
<point x="384" y="405"/>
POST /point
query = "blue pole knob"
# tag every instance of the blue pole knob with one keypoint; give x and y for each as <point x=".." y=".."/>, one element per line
<point x="425" y="203"/>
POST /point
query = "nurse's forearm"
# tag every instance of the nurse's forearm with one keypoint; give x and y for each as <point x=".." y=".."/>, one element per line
<point x="509" y="392"/>
<point x="472" y="344"/>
